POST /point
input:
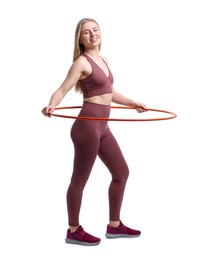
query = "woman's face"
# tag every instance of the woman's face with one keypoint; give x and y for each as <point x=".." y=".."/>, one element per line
<point x="90" y="35"/>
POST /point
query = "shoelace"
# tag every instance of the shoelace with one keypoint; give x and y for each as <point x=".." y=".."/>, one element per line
<point x="80" y="231"/>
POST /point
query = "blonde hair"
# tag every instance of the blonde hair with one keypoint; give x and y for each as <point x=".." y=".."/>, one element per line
<point x="78" y="47"/>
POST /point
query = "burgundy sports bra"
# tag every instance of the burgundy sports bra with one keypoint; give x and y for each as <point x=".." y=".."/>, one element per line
<point x="97" y="83"/>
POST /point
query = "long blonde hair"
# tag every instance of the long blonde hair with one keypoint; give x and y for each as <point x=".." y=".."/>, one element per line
<point x="78" y="47"/>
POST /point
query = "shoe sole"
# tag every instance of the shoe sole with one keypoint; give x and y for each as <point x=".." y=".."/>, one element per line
<point x="72" y="241"/>
<point x="108" y="235"/>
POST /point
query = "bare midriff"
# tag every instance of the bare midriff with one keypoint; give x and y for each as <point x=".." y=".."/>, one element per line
<point x="104" y="99"/>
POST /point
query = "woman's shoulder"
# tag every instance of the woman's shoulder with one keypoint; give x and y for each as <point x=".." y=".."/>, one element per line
<point x="81" y="62"/>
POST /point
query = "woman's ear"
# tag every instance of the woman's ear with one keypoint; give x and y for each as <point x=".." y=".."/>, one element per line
<point x="80" y="42"/>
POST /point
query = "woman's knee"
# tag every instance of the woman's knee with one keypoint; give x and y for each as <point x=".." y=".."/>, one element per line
<point x="121" y="175"/>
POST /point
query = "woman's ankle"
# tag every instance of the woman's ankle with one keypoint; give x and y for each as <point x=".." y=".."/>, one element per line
<point x="114" y="223"/>
<point x="73" y="228"/>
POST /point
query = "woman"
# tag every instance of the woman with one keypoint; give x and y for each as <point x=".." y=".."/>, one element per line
<point x="91" y="75"/>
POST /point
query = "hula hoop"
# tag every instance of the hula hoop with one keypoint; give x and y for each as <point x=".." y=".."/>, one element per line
<point x="172" y="115"/>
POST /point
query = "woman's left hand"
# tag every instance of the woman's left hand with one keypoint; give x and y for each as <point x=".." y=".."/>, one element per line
<point x="140" y="107"/>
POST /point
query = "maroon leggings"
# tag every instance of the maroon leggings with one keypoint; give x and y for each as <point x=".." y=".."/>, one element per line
<point x="92" y="138"/>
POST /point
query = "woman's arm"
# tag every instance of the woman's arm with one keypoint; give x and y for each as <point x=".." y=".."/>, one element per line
<point x="74" y="74"/>
<point x="122" y="100"/>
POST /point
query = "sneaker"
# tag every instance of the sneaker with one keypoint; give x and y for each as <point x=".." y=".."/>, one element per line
<point x="81" y="237"/>
<point x="121" y="231"/>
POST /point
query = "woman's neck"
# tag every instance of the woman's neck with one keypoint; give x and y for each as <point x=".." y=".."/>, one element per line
<point x="92" y="53"/>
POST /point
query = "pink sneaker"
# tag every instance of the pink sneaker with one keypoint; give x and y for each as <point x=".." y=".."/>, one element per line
<point x="121" y="231"/>
<point x="81" y="237"/>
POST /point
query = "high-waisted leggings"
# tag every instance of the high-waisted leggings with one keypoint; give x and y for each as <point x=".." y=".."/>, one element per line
<point x="92" y="138"/>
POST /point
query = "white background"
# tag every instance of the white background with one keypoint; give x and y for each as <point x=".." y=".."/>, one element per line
<point x="155" y="51"/>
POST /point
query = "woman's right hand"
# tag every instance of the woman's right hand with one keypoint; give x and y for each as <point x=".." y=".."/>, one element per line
<point x="47" y="110"/>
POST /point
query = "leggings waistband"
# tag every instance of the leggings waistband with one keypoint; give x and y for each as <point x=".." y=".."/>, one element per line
<point x="95" y="110"/>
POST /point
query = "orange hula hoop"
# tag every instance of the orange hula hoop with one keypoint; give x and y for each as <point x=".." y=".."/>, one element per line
<point x="172" y="115"/>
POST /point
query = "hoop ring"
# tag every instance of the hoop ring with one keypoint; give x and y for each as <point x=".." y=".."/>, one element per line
<point x="172" y="115"/>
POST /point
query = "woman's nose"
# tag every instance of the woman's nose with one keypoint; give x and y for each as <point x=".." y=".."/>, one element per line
<point x="92" y="33"/>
